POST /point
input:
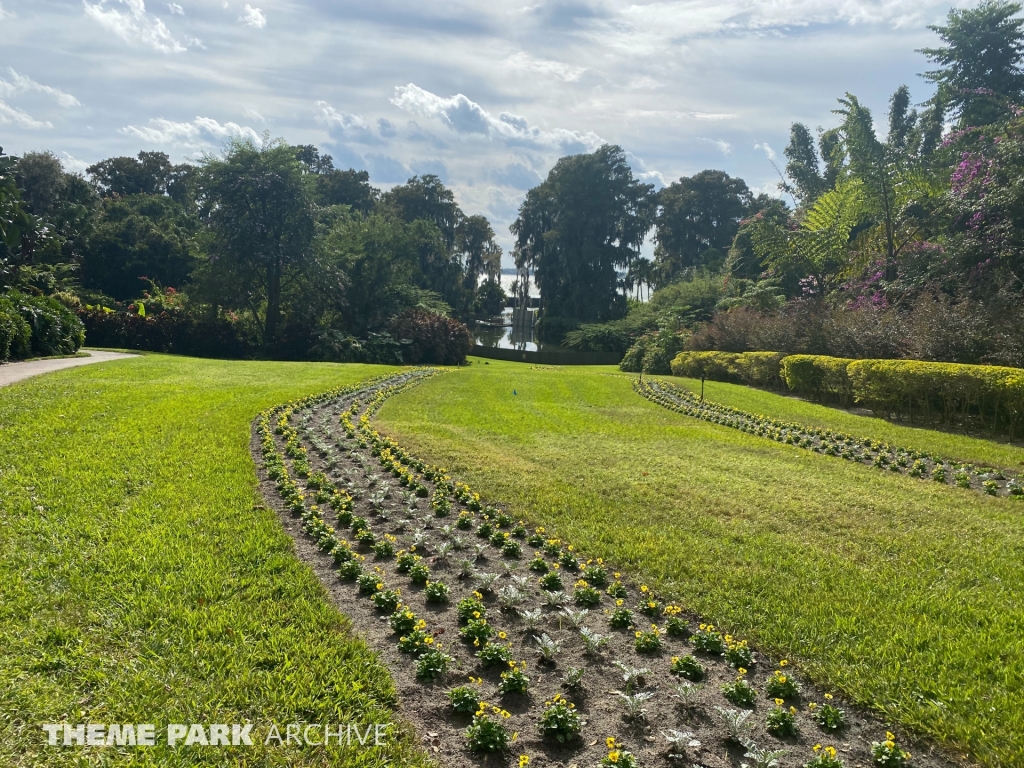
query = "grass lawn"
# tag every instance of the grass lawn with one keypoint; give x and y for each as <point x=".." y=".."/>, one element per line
<point x="904" y="595"/>
<point x="946" y="444"/>
<point x="141" y="582"/>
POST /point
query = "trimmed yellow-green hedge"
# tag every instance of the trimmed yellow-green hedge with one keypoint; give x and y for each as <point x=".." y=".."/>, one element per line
<point x="986" y="397"/>
<point x="758" y="369"/>
<point x="949" y="393"/>
<point x="818" y="376"/>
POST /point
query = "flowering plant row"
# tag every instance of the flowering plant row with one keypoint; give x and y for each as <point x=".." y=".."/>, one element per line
<point x="832" y="443"/>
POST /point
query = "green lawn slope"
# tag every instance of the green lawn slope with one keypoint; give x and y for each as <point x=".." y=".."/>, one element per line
<point x="141" y="582"/>
<point x="904" y="595"/>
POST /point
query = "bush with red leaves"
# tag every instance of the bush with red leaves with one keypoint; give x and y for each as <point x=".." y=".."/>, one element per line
<point x="432" y="338"/>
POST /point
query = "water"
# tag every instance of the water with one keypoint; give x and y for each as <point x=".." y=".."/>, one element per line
<point x="506" y="284"/>
<point x="509" y="338"/>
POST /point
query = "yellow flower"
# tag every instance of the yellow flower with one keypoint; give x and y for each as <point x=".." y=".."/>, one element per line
<point x="428" y="640"/>
<point x="613" y="756"/>
<point x="890" y="736"/>
<point x="830" y="751"/>
<point x="617" y="574"/>
<point x="742" y="671"/>
<point x="502" y="635"/>
<point x="645" y="588"/>
<point x="778" y="702"/>
<point x="812" y="706"/>
<point x="783" y="663"/>
<point x="817" y="747"/>
<point x="828" y="696"/>
<point x="783" y="678"/>
<point x="792" y="710"/>
<point x="610" y="741"/>
<point x="618" y="603"/>
<point x="638" y="634"/>
<point x="524" y="761"/>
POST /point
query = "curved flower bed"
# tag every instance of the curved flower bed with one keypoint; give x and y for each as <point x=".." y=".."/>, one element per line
<point x="507" y="645"/>
<point x="831" y="443"/>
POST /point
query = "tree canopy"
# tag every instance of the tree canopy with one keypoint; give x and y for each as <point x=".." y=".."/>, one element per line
<point x="578" y="229"/>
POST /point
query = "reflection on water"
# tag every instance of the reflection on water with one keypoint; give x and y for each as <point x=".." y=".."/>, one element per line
<point x="511" y="338"/>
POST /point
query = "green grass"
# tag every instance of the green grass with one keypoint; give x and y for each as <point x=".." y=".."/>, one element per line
<point x="946" y="444"/>
<point x="903" y="594"/>
<point x="141" y="582"/>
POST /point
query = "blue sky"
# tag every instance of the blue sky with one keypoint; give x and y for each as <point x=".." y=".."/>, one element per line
<point x="486" y="94"/>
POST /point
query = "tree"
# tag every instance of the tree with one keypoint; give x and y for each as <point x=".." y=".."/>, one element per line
<point x="136" y="238"/>
<point x="812" y="170"/>
<point x="897" y="184"/>
<point x="425" y="197"/>
<point x="979" y="75"/>
<point x="743" y="261"/>
<point x="149" y="174"/>
<point x="697" y="216"/>
<point x="258" y="205"/>
<point x="819" y="247"/>
<point x="579" y="227"/>
<point x="475" y="243"/>
<point x="64" y="202"/>
<point x="351" y="188"/>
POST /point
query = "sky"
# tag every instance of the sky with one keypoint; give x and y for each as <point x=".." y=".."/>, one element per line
<point x="486" y="94"/>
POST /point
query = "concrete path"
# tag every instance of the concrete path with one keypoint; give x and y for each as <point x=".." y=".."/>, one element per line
<point x="12" y="372"/>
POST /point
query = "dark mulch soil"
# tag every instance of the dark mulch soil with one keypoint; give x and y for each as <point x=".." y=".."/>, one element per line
<point x="426" y="708"/>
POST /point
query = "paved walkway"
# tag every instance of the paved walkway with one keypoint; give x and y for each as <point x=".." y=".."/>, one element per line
<point x="12" y="372"/>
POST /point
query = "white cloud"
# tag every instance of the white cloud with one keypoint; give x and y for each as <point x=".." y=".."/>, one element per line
<point x="253" y="17"/>
<point x="653" y="25"/>
<point x="175" y="9"/>
<point x="663" y="114"/>
<point x="768" y="151"/>
<point x="524" y="61"/>
<point x="73" y="164"/>
<point x="9" y="114"/>
<point x="468" y="118"/>
<point x="4" y="14"/>
<point x="23" y="84"/>
<point x="724" y="146"/>
<point x="201" y="132"/>
<point x="344" y="125"/>
<point x="136" y="25"/>
<point x="331" y="117"/>
<point x="250" y="112"/>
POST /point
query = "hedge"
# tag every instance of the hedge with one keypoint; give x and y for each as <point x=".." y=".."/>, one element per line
<point x="819" y="376"/>
<point x="987" y="397"/>
<point x="170" y="331"/>
<point x="757" y="369"/>
<point x="37" y="326"/>
<point x="991" y="397"/>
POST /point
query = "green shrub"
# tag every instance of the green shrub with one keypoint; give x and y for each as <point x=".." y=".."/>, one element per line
<point x="756" y="369"/>
<point x="15" y="334"/>
<point x="819" y="376"/>
<point x="987" y="396"/>
<point x="53" y="328"/>
<point x="653" y="353"/>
